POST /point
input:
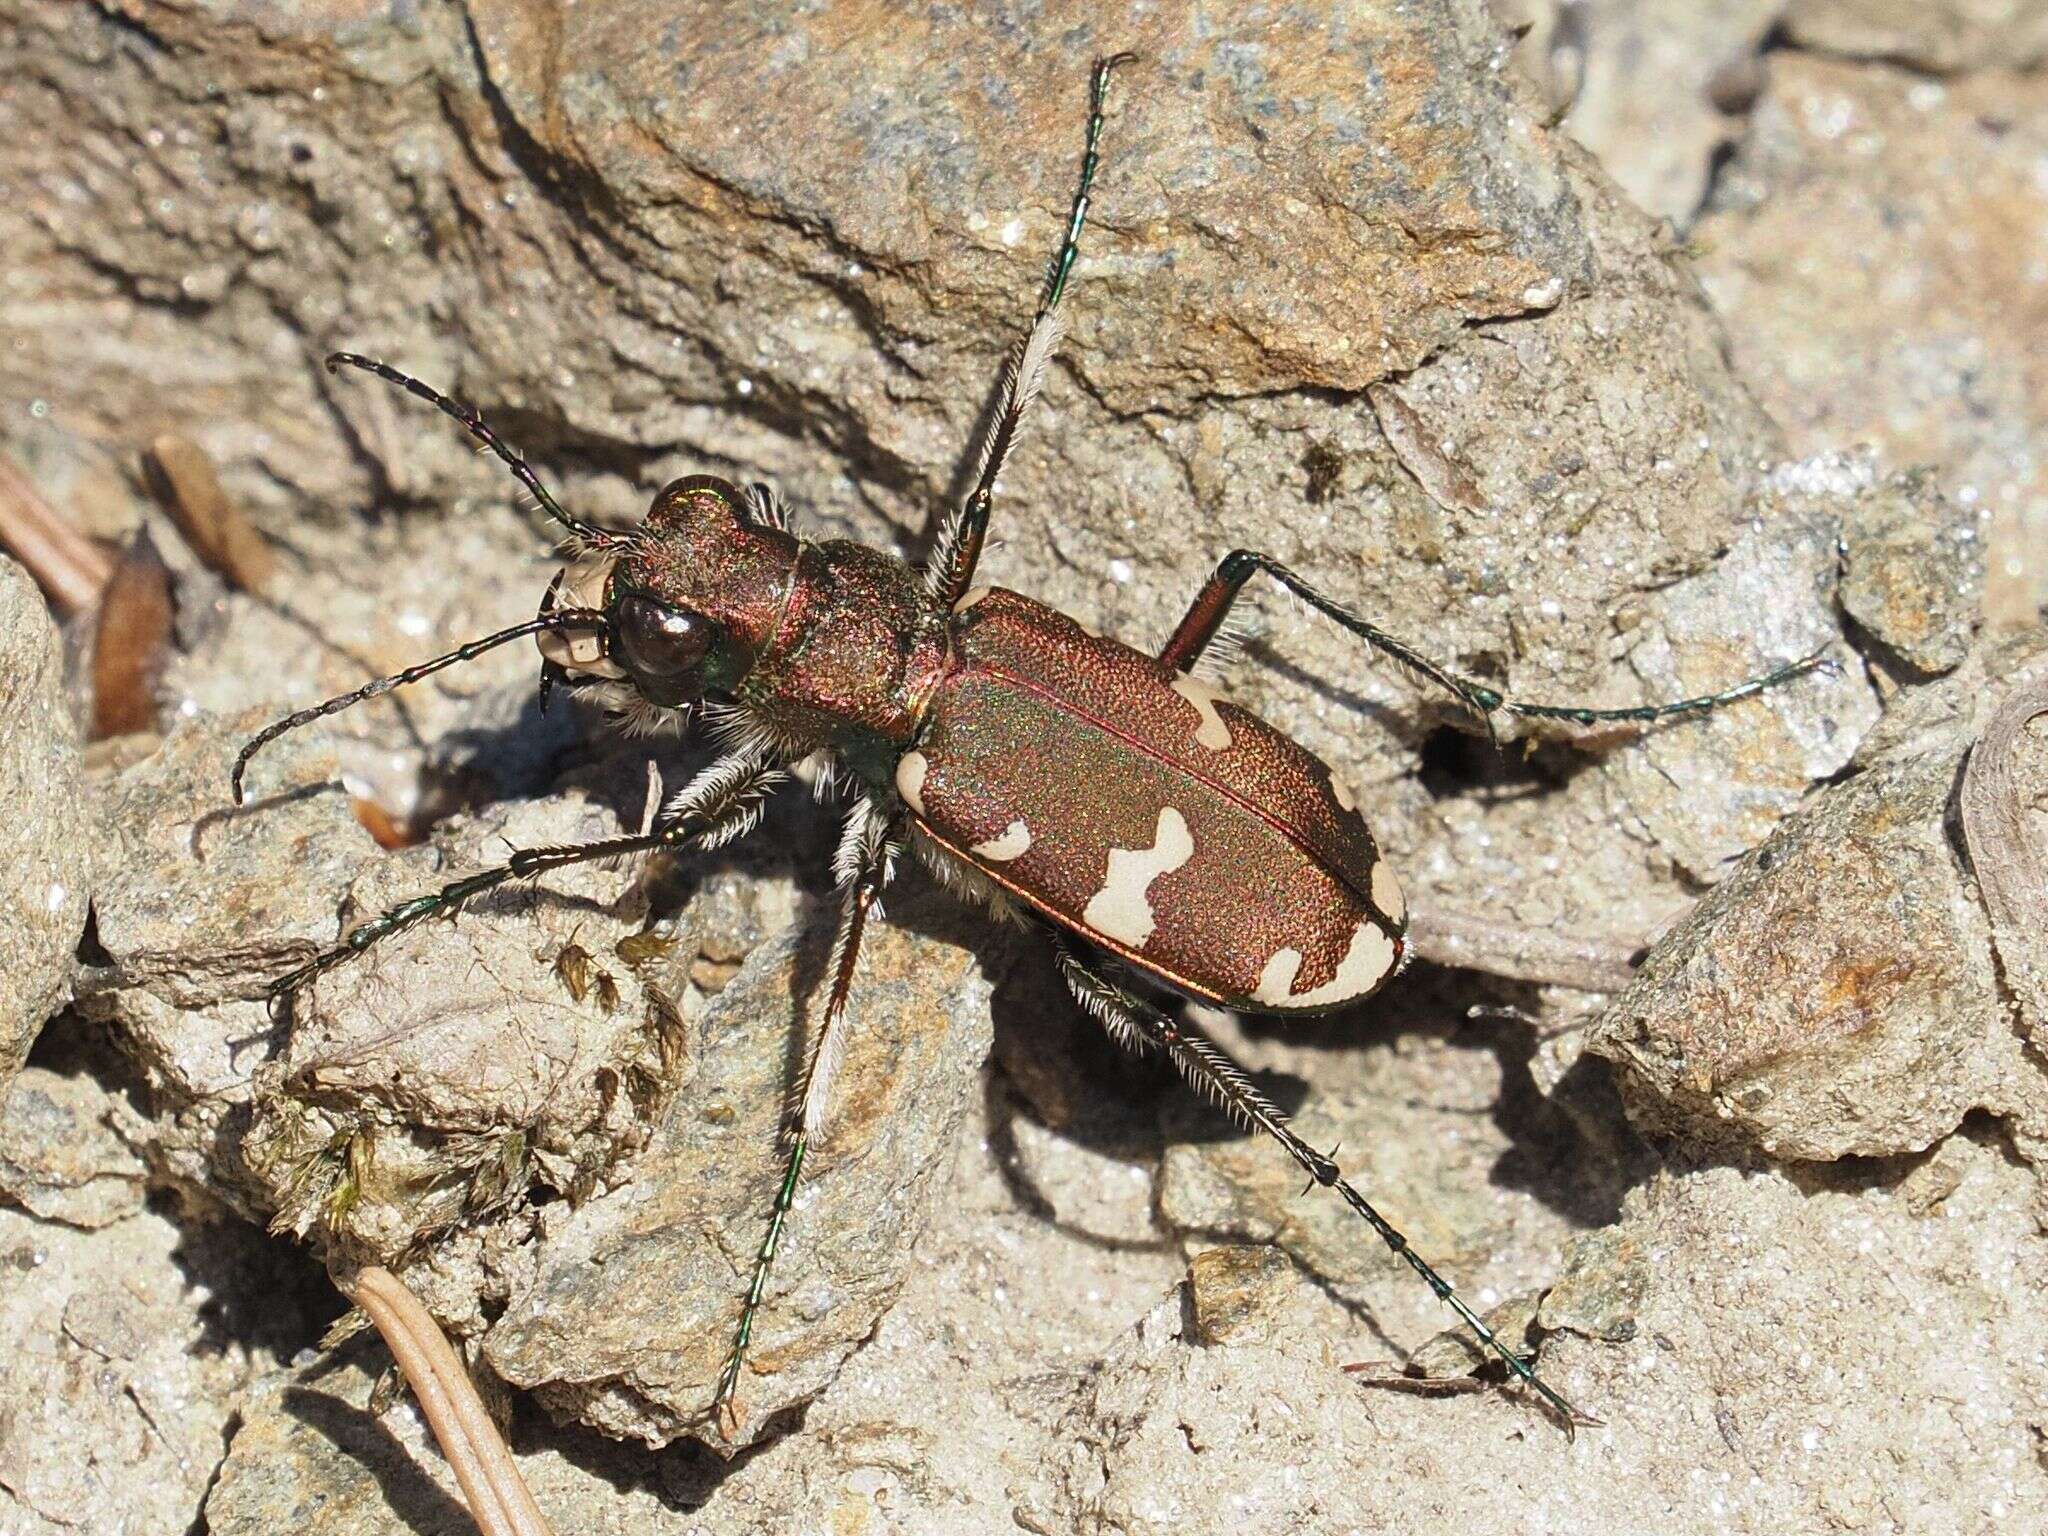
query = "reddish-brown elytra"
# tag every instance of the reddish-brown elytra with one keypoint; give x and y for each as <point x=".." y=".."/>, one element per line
<point x="1143" y="822"/>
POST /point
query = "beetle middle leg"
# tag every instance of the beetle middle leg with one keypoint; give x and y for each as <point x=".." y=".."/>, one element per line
<point x="866" y="859"/>
<point x="959" y="546"/>
<point x="721" y="804"/>
<point x="1198" y="628"/>
<point x="1137" y="1023"/>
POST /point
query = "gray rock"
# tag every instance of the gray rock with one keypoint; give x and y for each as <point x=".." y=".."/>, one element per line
<point x="464" y="1069"/>
<point x="1709" y="789"/>
<point x="1872" y="247"/>
<point x="60" y="1157"/>
<point x="1664" y="85"/>
<point x="1771" y="1322"/>
<point x="636" y="1292"/>
<point x="1913" y="571"/>
<point x="198" y="907"/>
<point x="1939" y="36"/>
<point x="1239" y="1291"/>
<point x="119" y="1386"/>
<point x="1601" y="1289"/>
<point x="44" y="842"/>
<point x="197" y="912"/>
<point x="1835" y="995"/>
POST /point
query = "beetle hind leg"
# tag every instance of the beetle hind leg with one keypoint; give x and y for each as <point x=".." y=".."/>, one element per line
<point x="1199" y="628"/>
<point x="1130" y="1019"/>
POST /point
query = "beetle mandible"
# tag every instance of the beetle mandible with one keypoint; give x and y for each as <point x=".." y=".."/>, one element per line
<point x="1213" y="854"/>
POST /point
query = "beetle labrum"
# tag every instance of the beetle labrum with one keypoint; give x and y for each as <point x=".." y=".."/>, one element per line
<point x="1229" y="864"/>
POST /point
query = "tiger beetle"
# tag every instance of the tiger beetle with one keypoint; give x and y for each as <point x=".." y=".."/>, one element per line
<point x="1110" y="799"/>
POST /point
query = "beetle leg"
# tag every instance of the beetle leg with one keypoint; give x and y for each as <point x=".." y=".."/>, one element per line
<point x="1199" y="626"/>
<point x="721" y="804"/>
<point x="866" y="860"/>
<point x="1130" y="1018"/>
<point x="959" y="544"/>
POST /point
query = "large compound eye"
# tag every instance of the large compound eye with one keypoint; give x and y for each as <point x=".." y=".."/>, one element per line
<point x="660" y="644"/>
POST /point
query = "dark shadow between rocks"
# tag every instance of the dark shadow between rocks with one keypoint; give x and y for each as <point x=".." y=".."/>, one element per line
<point x="684" y="1475"/>
<point x="259" y="1293"/>
<point x="1551" y="1158"/>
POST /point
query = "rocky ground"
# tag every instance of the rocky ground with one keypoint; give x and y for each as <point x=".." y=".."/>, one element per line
<point x="1607" y="350"/>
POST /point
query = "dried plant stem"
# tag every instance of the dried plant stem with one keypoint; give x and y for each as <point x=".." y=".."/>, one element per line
<point x="497" y="1495"/>
<point x="67" y="565"/>
<point x="2011" y="862"/>
<point x="1588" y="962"/>
<point x="188" y="488"/>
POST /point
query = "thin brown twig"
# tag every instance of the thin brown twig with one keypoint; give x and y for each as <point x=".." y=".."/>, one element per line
<point x="68" y="566"/>
<point x="188" y="488"/>
<point x="132" y="638"/>
<point x="498" y="1498"/>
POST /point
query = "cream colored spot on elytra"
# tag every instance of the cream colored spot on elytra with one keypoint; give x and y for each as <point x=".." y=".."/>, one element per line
<point x="1386" y="893"/>
<point x="974" y="595"/>
<point x="1013" y="844"/>
<point x="1341" y="793"/>
<point x="1364" y="966"/>
<point x="910" y="771"/>
<point x="1122" y="909"/>
<point x="1210" y="730"/>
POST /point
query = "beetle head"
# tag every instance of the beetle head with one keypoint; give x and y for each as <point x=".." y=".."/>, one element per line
<point x="689" y="598"/>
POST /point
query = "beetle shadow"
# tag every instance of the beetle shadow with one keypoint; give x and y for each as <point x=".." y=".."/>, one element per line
<point x="362" y="1440"/>
<point x="1570" y="1149"/>
<point x="1397" y="723"/>
<point x="1455" y="755"/>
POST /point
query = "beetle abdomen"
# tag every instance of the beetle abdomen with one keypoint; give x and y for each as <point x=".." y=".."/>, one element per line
<point x="1134" y="806"/>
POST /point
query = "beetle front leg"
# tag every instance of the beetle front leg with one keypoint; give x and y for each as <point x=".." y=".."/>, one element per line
<point x="959" y="545"/>
<point x="866" y="860"/>
<point x="721" y="804"/>
<point x="1199" y="626"/>
<point x="1133" y="1021"/>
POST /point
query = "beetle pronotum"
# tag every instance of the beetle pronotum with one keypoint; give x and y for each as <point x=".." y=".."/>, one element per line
<point x="1216" y="855"/>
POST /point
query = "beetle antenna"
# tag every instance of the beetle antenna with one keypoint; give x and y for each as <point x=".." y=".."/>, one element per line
<point x="560" y="618"/>
<point x="473" y="421"/>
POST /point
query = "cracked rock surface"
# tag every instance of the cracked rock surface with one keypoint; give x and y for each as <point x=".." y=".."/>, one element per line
<point x="1369" y="287"/>
<point x="45" y="845"/>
